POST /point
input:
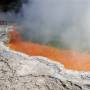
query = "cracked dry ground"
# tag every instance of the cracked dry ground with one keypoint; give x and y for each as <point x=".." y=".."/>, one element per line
<point x="20" y="72"/>
<point x="10" y="81"/>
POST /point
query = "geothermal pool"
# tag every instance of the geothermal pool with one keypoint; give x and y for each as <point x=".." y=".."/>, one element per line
<point x="66" y="21"/>
<point x="70" y="59"/>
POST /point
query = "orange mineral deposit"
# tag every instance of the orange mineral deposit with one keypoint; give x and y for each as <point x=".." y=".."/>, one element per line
<point x="70" y="59"/>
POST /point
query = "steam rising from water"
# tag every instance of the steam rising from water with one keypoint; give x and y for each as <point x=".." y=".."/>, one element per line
<point x="63" y="23"/>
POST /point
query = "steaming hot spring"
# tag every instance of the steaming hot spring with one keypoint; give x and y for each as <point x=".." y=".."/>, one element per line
<point x="70" y="59"/>
<point x="67" y="18"/>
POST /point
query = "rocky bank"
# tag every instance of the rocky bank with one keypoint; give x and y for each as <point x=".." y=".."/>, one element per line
<point x="22" y="72"/>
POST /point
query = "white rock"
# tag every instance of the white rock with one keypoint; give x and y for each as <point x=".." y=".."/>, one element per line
<point x="22" y="72"/>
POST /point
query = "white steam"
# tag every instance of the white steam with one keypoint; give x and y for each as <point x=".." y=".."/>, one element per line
<point x="66" y="21"/>
<point x="62" y="22"/>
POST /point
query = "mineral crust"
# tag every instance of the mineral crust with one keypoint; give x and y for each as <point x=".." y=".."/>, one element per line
<point x="22" y="72"/>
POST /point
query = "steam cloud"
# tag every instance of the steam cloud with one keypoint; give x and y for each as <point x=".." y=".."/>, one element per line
<point x="63" y="23"/>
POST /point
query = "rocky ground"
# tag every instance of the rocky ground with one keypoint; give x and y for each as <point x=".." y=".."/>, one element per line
<point x="22" y="72"/>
